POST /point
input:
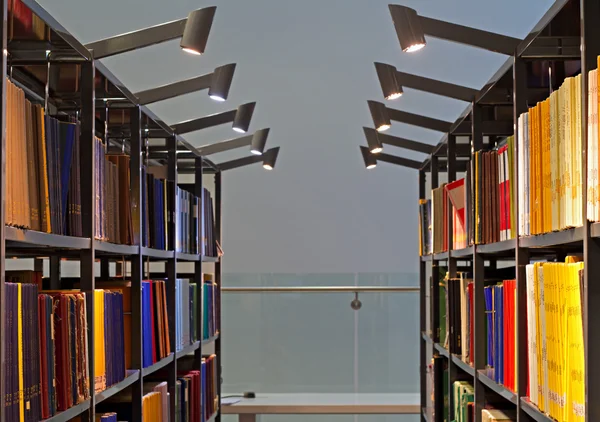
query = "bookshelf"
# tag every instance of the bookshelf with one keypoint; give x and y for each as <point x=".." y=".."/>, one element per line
<point x="567" y="22"/>
<point x="55" y="70"/>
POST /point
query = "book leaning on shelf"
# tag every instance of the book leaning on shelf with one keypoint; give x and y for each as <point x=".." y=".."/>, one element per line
<point x="555" y="341"/>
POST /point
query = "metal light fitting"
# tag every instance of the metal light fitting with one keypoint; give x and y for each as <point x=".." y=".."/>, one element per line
<point x="240" y="117"/>
<point x="218" y="83"/>
<point x="270" y="158"/>
<point x="383" y="116"/>
<point x="372" y="159"/>
<point x="411" y="29"/>
<point x="376" y="140"/>
<point x="392" y="82"/>
<point x="193" y="31"/>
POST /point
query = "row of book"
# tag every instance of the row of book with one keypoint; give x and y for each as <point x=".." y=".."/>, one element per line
<point x="425" y="226"/>
<point x="550" y="162"/>
<point x="47" y="355"/>
<point x="186" y="313"/>
<point x="555" y="341"/>
<point x="463" y="404"/>
<point x="156" y="344"/>
<point x="41" y="168"/>
<point x="210" y="307"/>
<point x="195" y="392"/>
<point x="188" y="227"/>
<point x="501" y="312"/>
<point x="439" y="224"/>
<point x="210" y="244"/>
<point x="456" y="305"/>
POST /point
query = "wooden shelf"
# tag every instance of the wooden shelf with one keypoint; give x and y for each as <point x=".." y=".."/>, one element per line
<point x="158" y="365"/>
<point x="463" y="365"/>
<point x="442" y="256"/>
<point x="113" y="248"/>
<point x="157" y="253"/>
<point x="441" y="350"/>
<point x="132" y="376"/>
<point x="462" y="253"/>
<point x="549" y="240"/>
<point x="187" y="256"/>
<point x="187" y="350"/>
<point x="70" y="413"/>
<point x="211" y="259"/>
<point x="533" y="411"/>
<point x="497" y="388"/>
<point x="19" y="238"/>
<point x="503" y="246"/>
<point x="210" y="340"/>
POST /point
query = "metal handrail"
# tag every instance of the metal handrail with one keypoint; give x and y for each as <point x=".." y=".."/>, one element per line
<point x="322" y="289"/>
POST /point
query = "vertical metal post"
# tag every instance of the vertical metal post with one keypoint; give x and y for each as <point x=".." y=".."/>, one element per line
<point x="521" y="254"/>
<point x="422" y="319"/>
<point x="451" y="163"/>
<point x="54" y="272"/>
<point x="88" y="192"/>
<point x="135" y="169"/>
<point x="590" y="49"/>
<point x="171" y="265"/>
<point x="218" y="279"/>
<point x="435" y="269"/>
<point x="479" y="354"/>
<point x="198" y="278"/>
<point x="3" y="11"/>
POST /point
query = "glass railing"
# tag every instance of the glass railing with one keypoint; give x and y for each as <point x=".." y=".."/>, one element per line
<point x="298" y="334"/>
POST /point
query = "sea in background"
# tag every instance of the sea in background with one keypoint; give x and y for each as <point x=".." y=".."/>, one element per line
<point x="316" y="343"/>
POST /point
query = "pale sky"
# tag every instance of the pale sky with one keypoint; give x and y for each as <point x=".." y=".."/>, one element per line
<point x="309" y="66"/>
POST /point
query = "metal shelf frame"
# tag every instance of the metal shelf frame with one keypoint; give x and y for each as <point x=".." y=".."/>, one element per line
<point x="65" y="48"/>
<point x="584" y="17"/>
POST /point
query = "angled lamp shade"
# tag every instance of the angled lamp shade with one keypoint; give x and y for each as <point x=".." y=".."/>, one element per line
<point x="270" y="158"/>
<point x="380" y="116"/>
<point x="197" y="29"/>
<point x="243" y="116"/>
<point x="369" y="159"/>
<point x="389" y="82"/>
<point x="408" y="28"/>
<point x="221" y="82"/>
<point x="374" y="144"/>
<point x="259" y="140"/>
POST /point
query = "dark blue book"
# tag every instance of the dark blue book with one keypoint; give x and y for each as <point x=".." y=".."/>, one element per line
<point x="146" y="325"/>
<point x="67" y="141"/>
<point x="490" y="326"/>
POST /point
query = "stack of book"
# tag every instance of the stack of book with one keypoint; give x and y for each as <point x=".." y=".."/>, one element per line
<point x="155" y="194"/>
<point x="556" y="372"/>
<point x="211" y="248"/>
<point x="439" y="201"/>
<point x="155" y="322"/>
<point x="186" y="313"/>
<point x="188" y="407"/>
<point x="459" y="294"/>
<point x="550" y="162"/>
<point x="153" y="406"/>
<point x="464" y="401"/>
<point x="209" y="380"/>
<point x="425" y="224"/>
<point x="42" y="169"/>
<point x="188" y="222"/>
<point x="500" y="306"/>
<point x="114" y="222"/>
<point x="210" y="306"/>
<point x="109" y="339"/>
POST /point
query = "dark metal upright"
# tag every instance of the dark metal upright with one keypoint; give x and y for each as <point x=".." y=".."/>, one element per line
<point x="590" y="49"/>
<point x="422" y="318"/>
<point x="3" y="11"/>
<point x="479" y="352"/>
<point x="171" y="267"/>
<point x="218" y="280"/>
<point x="198" y="278"/>
<point x="135" y="165"/>
<point x="88" y="215"/>
<point x="521" y="254"/>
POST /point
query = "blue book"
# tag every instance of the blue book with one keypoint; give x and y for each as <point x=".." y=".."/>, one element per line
<point x="496" y="333"/>
<point x="501" y="335"/>
<point x="490" y="325"/>
<point x="67" y="141"/>
<point x="146" y="325"/>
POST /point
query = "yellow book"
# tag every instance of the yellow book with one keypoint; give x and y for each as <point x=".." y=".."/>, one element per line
<point x="44" y="190"/>
<point x="547" y="169"/>
<point x="99" y="354"/>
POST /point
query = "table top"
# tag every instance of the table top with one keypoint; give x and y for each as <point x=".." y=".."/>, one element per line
<point x="319" y="404"/>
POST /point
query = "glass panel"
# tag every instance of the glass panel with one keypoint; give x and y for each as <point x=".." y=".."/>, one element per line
<point x="316" y="343"/>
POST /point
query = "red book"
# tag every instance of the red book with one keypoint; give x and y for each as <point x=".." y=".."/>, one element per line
<point x="152" y="316"/>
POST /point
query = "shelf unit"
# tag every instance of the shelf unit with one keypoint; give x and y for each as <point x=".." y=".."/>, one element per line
<point x="579" y="21"/>
<point x="96" y="85"/>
